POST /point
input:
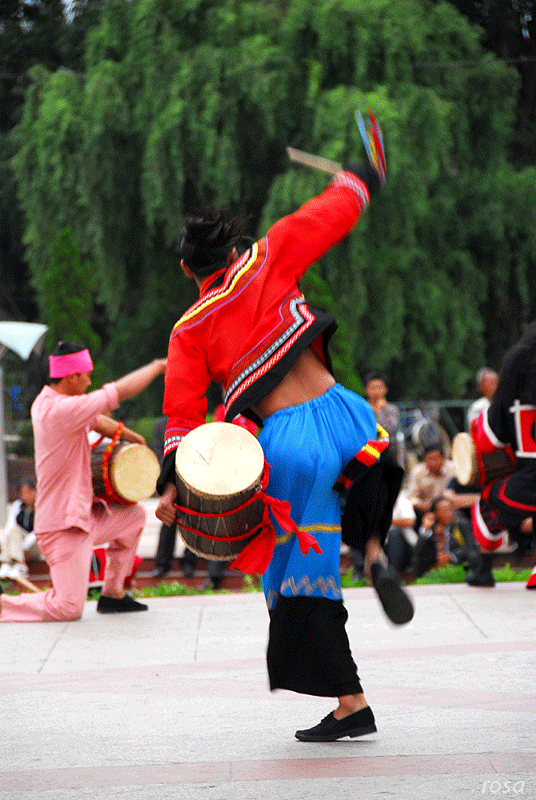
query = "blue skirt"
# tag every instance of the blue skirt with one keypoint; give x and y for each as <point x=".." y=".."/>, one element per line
<point x="307" y="447"/>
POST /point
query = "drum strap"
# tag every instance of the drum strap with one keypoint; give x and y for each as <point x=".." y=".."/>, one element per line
<point x="256" y="556"/>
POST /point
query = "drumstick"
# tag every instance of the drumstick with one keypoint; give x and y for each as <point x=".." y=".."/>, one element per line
<point x="315" y="162"/>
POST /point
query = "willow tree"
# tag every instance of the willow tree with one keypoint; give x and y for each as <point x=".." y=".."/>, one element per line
<point x="438" y="276"/>
<point x="186" y="103"/>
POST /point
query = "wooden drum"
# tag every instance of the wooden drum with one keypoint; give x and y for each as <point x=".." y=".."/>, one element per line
<point x="474" y="467"/>
<point x="125" y="475"/>
<point x="219" y="468"/>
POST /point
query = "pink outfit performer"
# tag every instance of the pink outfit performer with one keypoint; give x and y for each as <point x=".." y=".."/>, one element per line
<point x="68" y="524"/>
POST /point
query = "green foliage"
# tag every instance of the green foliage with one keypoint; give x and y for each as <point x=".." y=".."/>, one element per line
<point x="348" y="582"/>
<point x="184" y="103"/>
<point x="447" y="574"/>
<point x="144" y="426"/>
<point x="506" y="574"/>
<point x="456" y="574"/>
<point x="174" y="589"/>
<point x="65" y="290"/>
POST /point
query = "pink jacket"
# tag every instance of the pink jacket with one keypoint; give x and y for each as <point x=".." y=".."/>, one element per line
<point x="61" y="424"/>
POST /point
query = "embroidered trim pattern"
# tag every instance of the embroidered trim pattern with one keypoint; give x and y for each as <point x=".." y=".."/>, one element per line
<point x="274" y="353"/>
<point x="272" y="595"/>
<point x="171" y="443"/>
<point x="345" y="178"/>
<point x="237" y="271"/>
<point x="324" y="584"/>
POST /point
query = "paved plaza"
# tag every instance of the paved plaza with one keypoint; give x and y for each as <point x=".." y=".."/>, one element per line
<point x="174" y="703"/>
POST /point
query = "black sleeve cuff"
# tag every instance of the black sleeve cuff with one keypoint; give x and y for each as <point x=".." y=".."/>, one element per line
<point x="167" y="475"/>
<point x="368" y="175"/>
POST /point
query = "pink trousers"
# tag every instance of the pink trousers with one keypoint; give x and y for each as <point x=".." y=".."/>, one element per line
<point x="68" y="555"/>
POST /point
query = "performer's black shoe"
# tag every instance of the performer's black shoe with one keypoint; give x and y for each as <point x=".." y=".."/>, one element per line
<point x="188" y="569"/>
<point x="211" y="583"/>
<point x="116" y="605"/>
<point x="480" y="578"/>
<point x="394" y="599"/>
<point x="331" y="729"/>
<point x="482" y="574"/>
<point x="159" y="572"/>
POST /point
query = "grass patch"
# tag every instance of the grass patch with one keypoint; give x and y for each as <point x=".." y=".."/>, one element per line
<point x="447" y="574"/>
<point x="173" y="589"/>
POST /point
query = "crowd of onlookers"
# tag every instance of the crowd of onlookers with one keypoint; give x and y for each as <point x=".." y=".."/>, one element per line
<point x="431" y="523"/>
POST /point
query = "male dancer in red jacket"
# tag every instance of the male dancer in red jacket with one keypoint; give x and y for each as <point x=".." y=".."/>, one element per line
<point x="253" y="332"/>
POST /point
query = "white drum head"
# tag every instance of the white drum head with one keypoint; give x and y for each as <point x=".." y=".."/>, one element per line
<point x="133" y="471"/>
<point x="464" y="458"/>
<point x="219" y="459"/>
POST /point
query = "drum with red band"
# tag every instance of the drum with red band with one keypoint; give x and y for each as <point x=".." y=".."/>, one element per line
<point x="472" y="466"/>
<point x="219" y="477"/>
<point x="123" y="472"/>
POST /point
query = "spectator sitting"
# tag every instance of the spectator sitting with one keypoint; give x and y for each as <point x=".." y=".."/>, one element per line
<point x="17" y="540"/>
<point x="443" y="539"/>
<point x="401" y="537"/>
<point x="486" y="382"/>
<point x="463" y="498"/>
<point x="429" y="479"/>
<point x="388" y="416"/>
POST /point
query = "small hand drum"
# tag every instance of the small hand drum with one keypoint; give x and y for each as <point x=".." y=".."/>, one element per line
<point x="125" y="475"/>
<point x="471" y="466"/>
<point x="219" y="469"/>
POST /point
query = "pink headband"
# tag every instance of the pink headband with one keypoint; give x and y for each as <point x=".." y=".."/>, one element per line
<point x="71" y="364"/>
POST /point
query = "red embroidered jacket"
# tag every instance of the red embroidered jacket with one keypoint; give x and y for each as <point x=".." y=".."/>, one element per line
<point x="251" y="321"/>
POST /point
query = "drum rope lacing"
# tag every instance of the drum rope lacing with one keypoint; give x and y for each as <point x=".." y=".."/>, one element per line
<point x="109" y="492"/>
<point x="256" y="556"/>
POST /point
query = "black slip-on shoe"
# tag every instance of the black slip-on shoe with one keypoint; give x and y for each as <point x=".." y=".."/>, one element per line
<point x="394" y="599"/>
<point x="478" y="578"/>
<point x="159" y="572"/>
<point x="115" y="605"/>
<point x="331" y="729"/>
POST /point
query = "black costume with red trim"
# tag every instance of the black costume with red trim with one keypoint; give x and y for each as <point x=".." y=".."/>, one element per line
<point x="509" y="423"/>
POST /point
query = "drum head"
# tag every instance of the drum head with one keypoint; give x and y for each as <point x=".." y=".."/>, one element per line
<point x="464" y="458"/>
<point x="219" y="459"/>
<point x="134" y="471"/>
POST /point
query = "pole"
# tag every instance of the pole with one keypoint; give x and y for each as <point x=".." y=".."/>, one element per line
<point x="3" y="465"/>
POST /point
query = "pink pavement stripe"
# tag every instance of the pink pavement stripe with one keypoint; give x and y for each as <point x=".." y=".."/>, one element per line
<point x="459" y="649"/>
<point x="378" y="695"/>
<point x="11" y="681"/>
<point x="292" y="769"/>
<point x="131" y="678"/>
<point x="451" y="698"/>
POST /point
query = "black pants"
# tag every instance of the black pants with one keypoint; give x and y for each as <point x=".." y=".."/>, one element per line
<point x="166" y="546"/>
<point x="399" y="551"/>
<point x="308" y="648"/>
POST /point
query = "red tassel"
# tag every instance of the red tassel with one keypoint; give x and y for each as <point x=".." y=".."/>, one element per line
<point x="256" y="556"/>
<point x="281" y="511"/>
<point x="306" y="541"/>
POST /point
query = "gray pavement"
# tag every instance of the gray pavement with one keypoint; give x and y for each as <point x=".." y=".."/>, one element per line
<point x="174" y="703"/>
